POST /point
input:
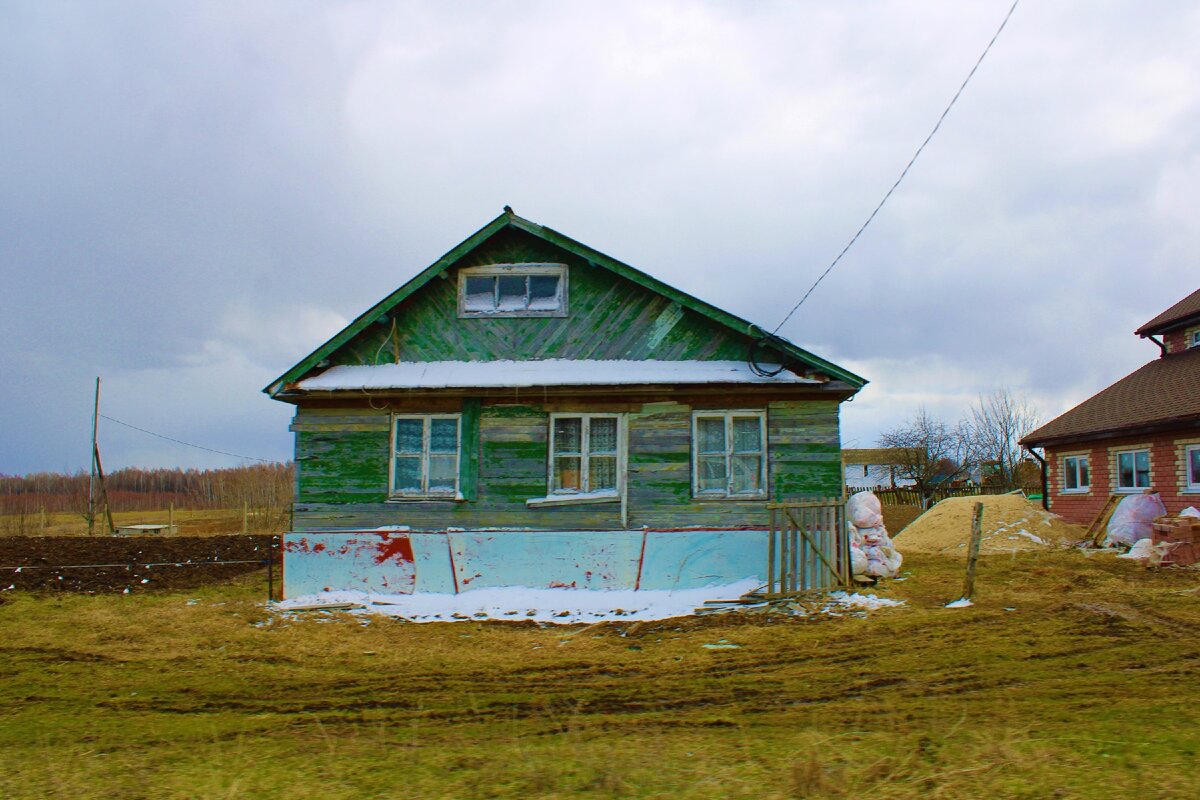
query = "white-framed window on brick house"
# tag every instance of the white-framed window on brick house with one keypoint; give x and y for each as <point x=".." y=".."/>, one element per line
<point x="1076" y="474"/>
<point x="1133" y="470"/>
<point x="1193" y="338"/>
<point x="513" y="290"/>
<point x="729" y="454"/>
<point x="425" y="455"/>
<point x="1191" y="468"/>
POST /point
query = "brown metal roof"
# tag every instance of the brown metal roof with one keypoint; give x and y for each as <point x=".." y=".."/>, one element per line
<point x="1186" y="308"/>
<point x="878" y="456"/>
<point x="1164" y="392"/>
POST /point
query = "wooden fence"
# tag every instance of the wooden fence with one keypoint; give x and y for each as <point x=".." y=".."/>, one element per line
<point x="809" y="548"/>
<point x="907" y="496"/>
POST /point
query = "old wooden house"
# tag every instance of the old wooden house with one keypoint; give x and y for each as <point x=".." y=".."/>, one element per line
<point x="528" y="409"/>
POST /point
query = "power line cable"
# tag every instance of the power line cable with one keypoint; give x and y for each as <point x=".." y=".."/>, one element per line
<point x="904" y="172"/>
<point x="189" y="444"/>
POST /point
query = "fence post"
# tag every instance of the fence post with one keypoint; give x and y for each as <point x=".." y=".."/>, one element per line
<point x="973" y="551"/>
<point x="773" y="514"/>
<point x="245" y="517"/>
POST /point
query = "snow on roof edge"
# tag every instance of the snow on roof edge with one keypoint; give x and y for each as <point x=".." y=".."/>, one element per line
<point x="547" y="372"/>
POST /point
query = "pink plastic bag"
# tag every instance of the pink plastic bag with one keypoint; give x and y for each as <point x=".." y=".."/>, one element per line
<point x="1133" y="519"/>
<point x="864" y="511"/>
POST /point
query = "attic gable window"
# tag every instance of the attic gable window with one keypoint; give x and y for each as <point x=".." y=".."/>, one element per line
<point x="513" y="290"/>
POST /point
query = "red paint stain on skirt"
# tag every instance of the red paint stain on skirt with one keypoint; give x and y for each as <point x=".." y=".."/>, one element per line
<point x="389" y="549"/>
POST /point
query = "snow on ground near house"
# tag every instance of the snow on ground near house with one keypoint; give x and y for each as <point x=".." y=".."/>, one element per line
<point x="560" y="606"/>
<point x="563" y="606"/>
<point x="866" y="602"/>
<point x="548" y="372"/>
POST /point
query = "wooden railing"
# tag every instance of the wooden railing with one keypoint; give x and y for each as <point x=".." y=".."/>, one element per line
<point x="809" y="548"/>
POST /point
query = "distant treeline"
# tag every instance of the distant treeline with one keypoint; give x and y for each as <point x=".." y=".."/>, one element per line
<point x="262" y="486"/>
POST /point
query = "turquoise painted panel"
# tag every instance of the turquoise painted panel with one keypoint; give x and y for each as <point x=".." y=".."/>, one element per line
<point x="401" y="562"/>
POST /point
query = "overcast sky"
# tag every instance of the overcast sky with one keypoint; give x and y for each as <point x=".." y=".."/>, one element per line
<point x="195" y="195"/>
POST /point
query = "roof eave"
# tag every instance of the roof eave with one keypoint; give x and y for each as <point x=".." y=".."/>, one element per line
<point x="1138" y="429"/>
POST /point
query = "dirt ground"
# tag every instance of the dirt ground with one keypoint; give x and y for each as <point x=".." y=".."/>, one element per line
<point x="106" y="564"/>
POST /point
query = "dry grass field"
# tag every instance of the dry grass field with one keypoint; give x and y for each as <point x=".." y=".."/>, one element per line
<point x="1072" y="677"/>
<point x="188" y="522"/>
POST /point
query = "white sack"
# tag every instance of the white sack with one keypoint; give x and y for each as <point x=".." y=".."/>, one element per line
<point x="871" y="551"/>
<point x="864" y="510"/>
<point x="1133" y="519"/>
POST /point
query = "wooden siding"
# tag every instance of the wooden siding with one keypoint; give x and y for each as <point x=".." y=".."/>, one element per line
<point x="342" y="458"/>
<point x="610" y="318"/>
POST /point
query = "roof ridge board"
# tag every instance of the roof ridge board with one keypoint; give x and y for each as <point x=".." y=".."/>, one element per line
<point x="509" y="218"/>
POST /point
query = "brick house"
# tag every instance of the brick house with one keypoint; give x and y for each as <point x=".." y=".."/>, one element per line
<point x="1143" y="432"/>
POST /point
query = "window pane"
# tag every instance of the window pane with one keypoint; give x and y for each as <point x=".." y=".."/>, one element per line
<point x="712" y="474"/>
<point x="511" y="294"/>
<point x="443" y="436"/>
<point x="480" y="293"/>
<point x="566" y="474"/>
<point x="1142" y="459"/>
<point x="442" y="473"/>
<point x="1194" y="466"/>
<point x="747" y="435"/>
<point x="746" y="474"/>
<point x="567" y="435"/>
<point x="408" y="435"/>
<point x="1085" y="478"/>
<point x="407" y="474"/>
<point x="603" y="471"/>
<point x="543" y="292"/>
<point x="1125" y="470"/>
<point x="603" y="435"/>
<point x="1070" y="475"/>
<point x="710" y="435"/>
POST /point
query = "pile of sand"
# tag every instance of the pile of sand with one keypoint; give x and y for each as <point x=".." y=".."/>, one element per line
<point x="1010" y="523"/>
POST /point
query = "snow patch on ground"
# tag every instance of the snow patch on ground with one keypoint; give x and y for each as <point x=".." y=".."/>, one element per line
<point x="866" y="602"/>
<point x="559" y="606"/>
<point x="960" y="603"/>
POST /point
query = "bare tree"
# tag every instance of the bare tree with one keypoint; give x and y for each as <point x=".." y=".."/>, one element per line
<point x="998" y="422"/>
<point x="930" y="452"/>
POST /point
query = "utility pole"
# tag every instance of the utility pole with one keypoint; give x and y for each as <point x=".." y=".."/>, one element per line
<point x="95" y="449"/>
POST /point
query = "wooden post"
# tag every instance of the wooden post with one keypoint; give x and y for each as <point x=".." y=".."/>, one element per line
<point x="95" y="449"/>
<point x="245" y="517"/>
<point x="973" y="551"/>
<point x="171" y="518"/>
<point x="784" y="558"/>
<point x="774" y="515"/>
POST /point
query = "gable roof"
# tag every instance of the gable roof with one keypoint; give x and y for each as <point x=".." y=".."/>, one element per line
<point x="1184" y="311"/>
<point x="508" y="219"/>
<point x="1162" y="394"/>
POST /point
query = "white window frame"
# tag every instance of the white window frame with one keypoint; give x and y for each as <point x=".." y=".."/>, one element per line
<point x="728" y="416"/>
<point x="501" y="270"/>
<point x="560" y="497"/>
<point x="424" y="493"/>
<point x="1191" y="478"/>
<point x="585" y="454"/>
<point x="1192" y="339"/>
<point x="1132" y="452"/>
<point x="1080" y="487"/>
